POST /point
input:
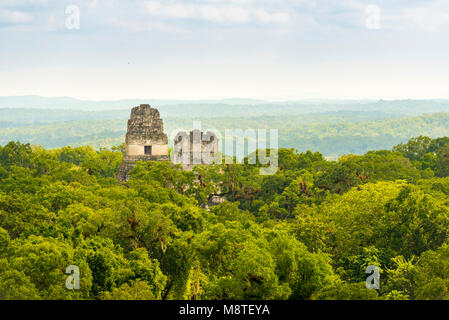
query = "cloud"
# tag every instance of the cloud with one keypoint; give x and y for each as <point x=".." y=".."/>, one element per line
<point x="424" y="18"/>
<point x="11" y="18"/>
<point x="19" y="17"/>
<point x="216" y="11"/>
<point x="144" y="26"/>
<point x="267" y="17"/>
<point x="190" y="15"/>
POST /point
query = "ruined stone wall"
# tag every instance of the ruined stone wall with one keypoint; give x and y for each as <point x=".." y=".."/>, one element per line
<point x="195" y="148"/>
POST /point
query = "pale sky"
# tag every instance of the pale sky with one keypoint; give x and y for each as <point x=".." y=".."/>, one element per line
<point x="207" y="49"/>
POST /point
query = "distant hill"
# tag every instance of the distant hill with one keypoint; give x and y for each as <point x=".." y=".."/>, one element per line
<point x="235" y="107"/>
<point x="68" y="103"/>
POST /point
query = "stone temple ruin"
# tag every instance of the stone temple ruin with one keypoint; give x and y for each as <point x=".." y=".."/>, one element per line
<point x="146" y="140"/>
<point x="195" y="148"/>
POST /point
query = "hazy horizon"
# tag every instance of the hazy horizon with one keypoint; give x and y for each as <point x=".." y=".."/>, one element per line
<point x="227" y="98"/>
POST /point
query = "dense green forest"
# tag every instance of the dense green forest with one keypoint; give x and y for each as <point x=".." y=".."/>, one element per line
<point x="307" y="232"/>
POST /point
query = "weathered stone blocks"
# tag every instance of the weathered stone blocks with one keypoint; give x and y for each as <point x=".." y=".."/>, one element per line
<point x="145" y="139"/>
